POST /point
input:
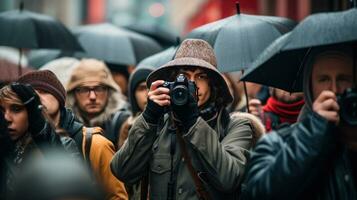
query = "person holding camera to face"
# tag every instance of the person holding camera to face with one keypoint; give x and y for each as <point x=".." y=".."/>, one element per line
<point x="316" y="157"/>
<point x="185" y="140"/>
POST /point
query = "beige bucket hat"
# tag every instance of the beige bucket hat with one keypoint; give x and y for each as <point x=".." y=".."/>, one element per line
<point x="195" y="53"/>
<point x="91" y="70"/>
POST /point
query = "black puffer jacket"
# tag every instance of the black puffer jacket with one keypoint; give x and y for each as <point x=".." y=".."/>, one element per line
<point x="303" y="161"/>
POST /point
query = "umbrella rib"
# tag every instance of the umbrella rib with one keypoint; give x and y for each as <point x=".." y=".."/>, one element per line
<point x="300" y="67"/>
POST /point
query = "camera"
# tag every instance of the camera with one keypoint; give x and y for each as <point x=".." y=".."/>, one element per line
<point x="348" y="106"/>
<point x="180" y="90"/>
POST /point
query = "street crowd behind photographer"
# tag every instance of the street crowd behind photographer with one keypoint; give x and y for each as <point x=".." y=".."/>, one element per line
<point x="315" y="158"/>
<point x="196" y="150"/>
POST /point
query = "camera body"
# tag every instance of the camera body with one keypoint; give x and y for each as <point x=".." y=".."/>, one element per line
<point x="348" y="106"/>
<point x="180" y="90"/>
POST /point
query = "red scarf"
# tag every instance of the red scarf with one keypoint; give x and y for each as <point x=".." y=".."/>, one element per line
<point x="287" y="112"/>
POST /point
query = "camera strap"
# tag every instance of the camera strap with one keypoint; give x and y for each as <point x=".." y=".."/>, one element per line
<point x="201" y="192"/>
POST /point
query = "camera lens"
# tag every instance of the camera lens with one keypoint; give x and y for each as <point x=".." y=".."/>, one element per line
<point x="348" y="106"/>
<point x="179" y="95"/>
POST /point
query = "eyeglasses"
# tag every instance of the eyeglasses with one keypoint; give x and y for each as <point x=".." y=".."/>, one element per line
<point x="98" y="90"/>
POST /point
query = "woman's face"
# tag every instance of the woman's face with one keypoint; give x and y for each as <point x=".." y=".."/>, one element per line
<point x="17" y="118"/>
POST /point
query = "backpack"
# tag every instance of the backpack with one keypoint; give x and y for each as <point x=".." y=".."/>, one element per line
<point x="87" y="134"/>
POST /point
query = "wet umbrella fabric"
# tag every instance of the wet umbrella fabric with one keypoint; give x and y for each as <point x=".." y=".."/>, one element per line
<point x="24" y="29"/>
<point x="159" y="59"/>
<point x="163" y="36"/>
<point x="114" y="45"/>
<point x="281" y="64"/>
<point x="239" y="39"/>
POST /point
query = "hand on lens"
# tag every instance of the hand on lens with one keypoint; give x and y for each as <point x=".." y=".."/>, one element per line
<point x="326" y="106"/>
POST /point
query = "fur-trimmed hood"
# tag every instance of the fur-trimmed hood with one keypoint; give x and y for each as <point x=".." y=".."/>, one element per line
<point x="257" y="125"/>
<point x="116" y="101"/>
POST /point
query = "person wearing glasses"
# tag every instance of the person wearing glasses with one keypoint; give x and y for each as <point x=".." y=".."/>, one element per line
<point x="95" y="98"/>
<point x="95" y="149"/>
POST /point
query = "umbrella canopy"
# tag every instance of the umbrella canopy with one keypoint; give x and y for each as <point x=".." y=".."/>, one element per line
<point x="163" y="36"/>
<point x="114" y="45"/>
<point x="39" y="57"/>
<point x="281" y="64"/>
<point x="239" y="39"/>
<point x="9" y="71"/>
<point x="24" y="29"/>
<point x="159" y="59"/>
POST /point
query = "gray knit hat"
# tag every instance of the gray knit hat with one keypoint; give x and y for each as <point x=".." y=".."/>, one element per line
<point x="195" y="53"/>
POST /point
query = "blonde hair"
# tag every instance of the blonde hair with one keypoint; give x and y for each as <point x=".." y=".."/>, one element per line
<point x="7" y="95"/>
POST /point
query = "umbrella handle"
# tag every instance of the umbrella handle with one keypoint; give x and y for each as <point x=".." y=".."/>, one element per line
<point x="19" y="66"/>
<point x="246" y="93"/>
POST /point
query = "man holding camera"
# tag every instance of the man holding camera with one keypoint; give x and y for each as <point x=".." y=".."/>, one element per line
<point x="315" y="158"/>
<point x="185" y="140"/>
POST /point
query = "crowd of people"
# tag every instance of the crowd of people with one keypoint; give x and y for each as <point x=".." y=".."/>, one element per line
<point x="182" y="130"/>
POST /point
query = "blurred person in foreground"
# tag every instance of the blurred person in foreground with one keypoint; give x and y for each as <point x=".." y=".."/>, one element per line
<point x="95" y="98"/>
<point x="94" y="147"/>
<point x="57" y="178"/>
<point x="24" y="131"/>
<point x="282" y="108"/>
<point x="316" y="157"/>
<point x="196" y="150"/>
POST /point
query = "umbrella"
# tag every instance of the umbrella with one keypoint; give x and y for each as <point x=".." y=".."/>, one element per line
<point x="239" y="39"/>
<point x="158" y="59"/>
<point x="9" y="71"/>
<point x="163" y="36"/>
<point x="25" y="29"/>
<point x="114" y="45"/>
<point x="287" y="54"/>
<point x="28" y="30"/>
<point x="39" y="57"/>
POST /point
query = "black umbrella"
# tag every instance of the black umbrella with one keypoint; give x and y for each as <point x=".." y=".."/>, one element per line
<point x="114" y="45"/>
<point x="28" y="30"/>
<point x="159" y="59"/>
<point x="163" y="36"/>
<point x="239" y="39"/>
<point x="281" y="64"/>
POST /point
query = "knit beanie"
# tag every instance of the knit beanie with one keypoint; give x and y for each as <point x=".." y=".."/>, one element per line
<point x="46" y="81"/>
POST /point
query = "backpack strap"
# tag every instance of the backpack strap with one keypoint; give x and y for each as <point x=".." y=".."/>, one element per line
<point x="87" y="145"/>
<point x="115" y="125"/>
<point x="87" y="136"/>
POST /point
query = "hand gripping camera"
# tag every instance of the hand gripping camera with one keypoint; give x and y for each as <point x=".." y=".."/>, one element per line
<point x="180" y="90"/>
<point x="348" y="106"/>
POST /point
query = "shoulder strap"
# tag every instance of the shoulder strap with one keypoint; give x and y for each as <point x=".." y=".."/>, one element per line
<point x="201" y="192"/>
<point x="88" y="144"/>
<point x="118" y="120"/>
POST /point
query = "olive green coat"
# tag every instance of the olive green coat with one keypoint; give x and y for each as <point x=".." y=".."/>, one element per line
<point x="221" y="163"/>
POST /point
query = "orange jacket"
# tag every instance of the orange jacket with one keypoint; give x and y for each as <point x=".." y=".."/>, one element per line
<point x="101" y="153"/>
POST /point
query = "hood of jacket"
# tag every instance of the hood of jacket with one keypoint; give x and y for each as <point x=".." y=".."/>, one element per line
<point x="138" y="76"/>
<point x="115" y="102"/>
<point x="313" y="55"/>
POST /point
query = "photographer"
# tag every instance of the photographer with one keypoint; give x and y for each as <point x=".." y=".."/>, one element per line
<point x="196" y="150"/>
<point x="315" y="158"/>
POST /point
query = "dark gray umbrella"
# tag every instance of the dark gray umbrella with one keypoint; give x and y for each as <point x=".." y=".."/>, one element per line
<point x="164" y="37"/>
<point x="39" y="57"/>
<point x="24" y="29"/>
<point x="159" y="59"/>
<point x="281" y="64"/>
<point x="239" y="39"/>
<point x="28" y="30"/>
<point x="114" y="45"/>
